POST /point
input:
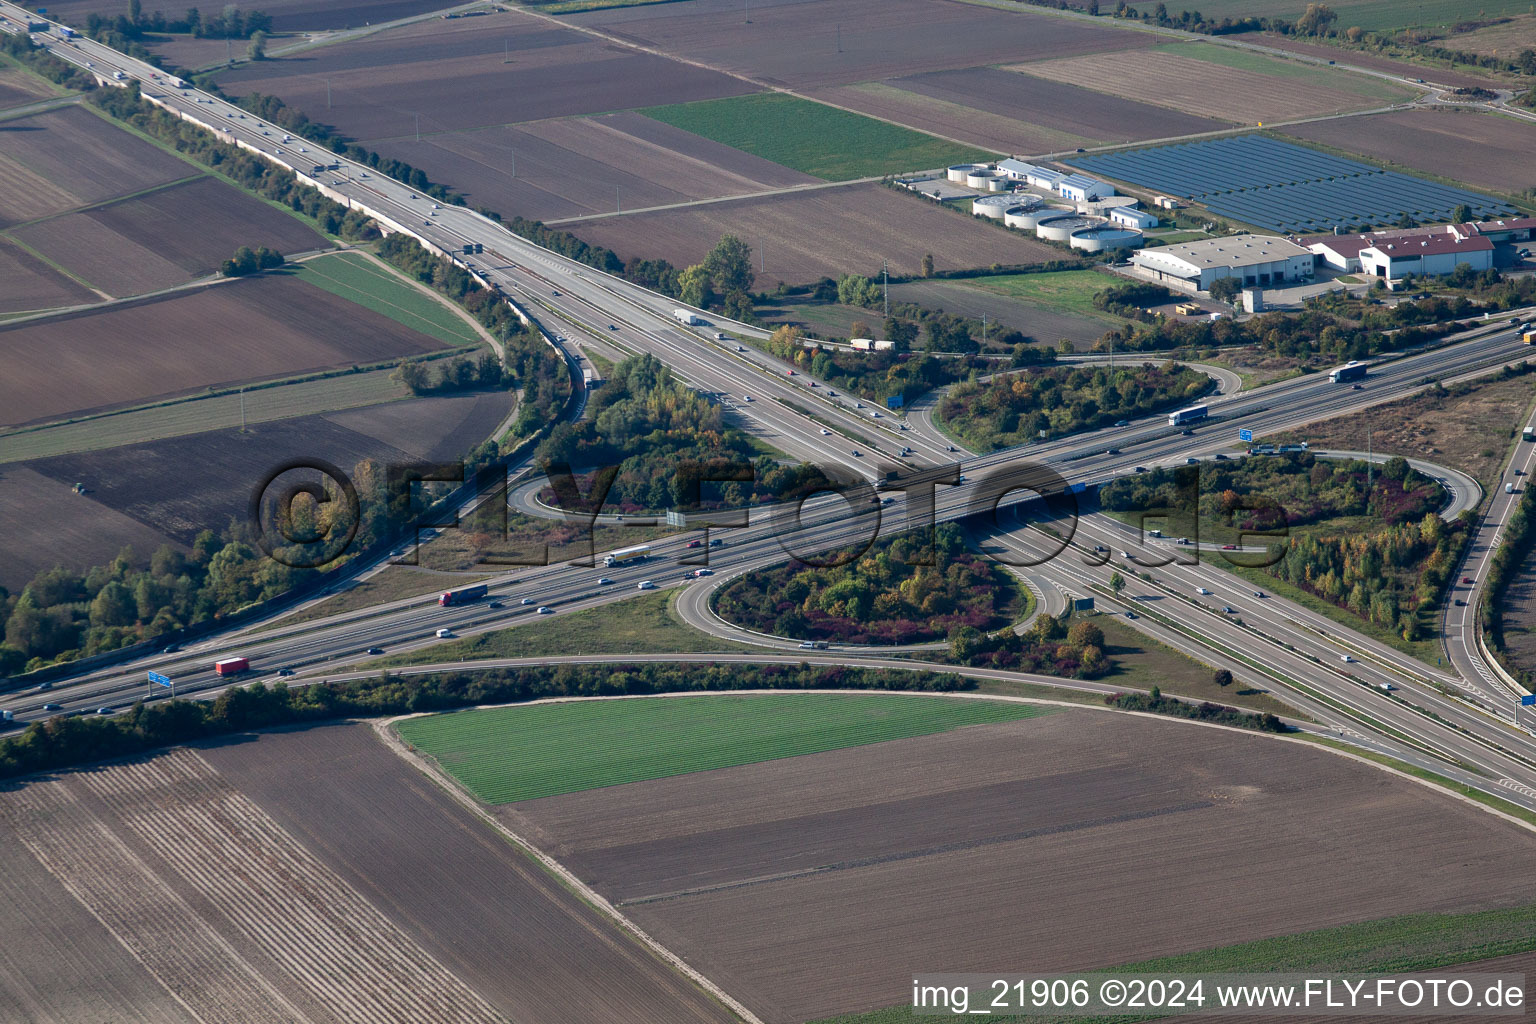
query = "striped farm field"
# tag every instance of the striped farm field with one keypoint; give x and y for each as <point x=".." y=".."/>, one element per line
<point x="503" y="755"/>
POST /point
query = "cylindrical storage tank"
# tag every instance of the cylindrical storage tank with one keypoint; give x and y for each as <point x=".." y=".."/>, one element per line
<point x="1107" y="236"/>
<point x="980" y="177"/>
<point x="992" y="206"/>
<point x="960" y="172"/>
<point x="1028" y="215"/>
<point x="999" y="184"/>
<point x="1060" y="228"/>
<point x="1028" y="199"/>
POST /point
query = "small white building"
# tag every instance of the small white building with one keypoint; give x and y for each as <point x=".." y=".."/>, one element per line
<point x="1044" y="177"/>
<point x="1081" y="187"/>
<point x="1250" y="259"/>
<point x="1018" y="170"/>
<point x="1130" y="217"/>
<point x="1434" y="254"/>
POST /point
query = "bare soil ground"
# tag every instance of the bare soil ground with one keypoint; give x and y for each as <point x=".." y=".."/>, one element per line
<point x="47" y="524"/>
<point x="456" y="75"/>
<point x="569" y="167"/>
<point x="1459" y="78"/>
<point x="1509" y="38"/>
<point x="1199" y="87"/>
<point x="1438" y="141"/>
<point x="166" y="237"/>
<point x="287" y="15"/>
<point x="61" y="159"/>
<point x="809" y="886"/>
<point x="1045" y="326"/>
<point x="953" y="120"/>
<point x="182" y="485"/>
<point x="18" y="88"/>
<point x="789" y="42"/>
<point x="222" y="905"/>
<point x="1060" y="105"/>
<point x="469" y="899"/>
<point x="1518" y="612"/>
<point x="828" y="232"/>
<point x="241" y="331"/>
<point x="1469" y="427"/>
<point x="27" y="283"/>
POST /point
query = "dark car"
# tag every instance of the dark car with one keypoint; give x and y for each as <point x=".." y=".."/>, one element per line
<point x="1229" y="609"/>
<point x="374" y="650"/>
<point x="1187" y="433"/>
<point x="1460" y="603"/>
<point x="172" y="649"/>
<point x="1141" y="469"/>
<point x="285" y="671"/>
<point x="53" y="707"/>
<point x="1221" y="456"/>
<point x="495" y="604"/>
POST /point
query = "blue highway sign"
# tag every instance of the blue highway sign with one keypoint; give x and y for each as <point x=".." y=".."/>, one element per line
<point x="1244" y="434"/>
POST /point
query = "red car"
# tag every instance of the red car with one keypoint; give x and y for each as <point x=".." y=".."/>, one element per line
<point x="1466" y="579"/>
<point x="695" y="543"/>
<point x="1229" y="547"/>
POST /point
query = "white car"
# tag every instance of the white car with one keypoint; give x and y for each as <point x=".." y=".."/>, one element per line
<point x="1346" y="659"/>
<point x="604" y="581"/>
<point x="444" y="634"/>
<point x="746" y="398"/>
<point x="806" y="645"/>
<point x="1202" y="590"/>
<point x="545" y="609"/>
<point x="527" y="600"/>
<point x="645" y="585"/>
<point x="825" y="431"/>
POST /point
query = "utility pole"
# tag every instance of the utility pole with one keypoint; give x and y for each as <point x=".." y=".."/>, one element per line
<point x="327" y="94"/>
<point x="839" y="38"/>
<point x="507" y="53"/>
<point x="512" y="156"/>
<point x="242" y="410"/>
<point x="885" y="273"/>
<point x="418" y="127"/>
<point x="616" y="207"/>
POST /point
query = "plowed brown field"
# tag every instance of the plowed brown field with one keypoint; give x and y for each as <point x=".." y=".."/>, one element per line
<point x="1470" y="146"/>
<point x="1199" y="87"/>
<point x="240" y="331"/>
<point x="824" y="233"/>
<point x="817" y="885"/>
<point x="458" y="75"/>
<point x="27" y="283"/>
<point x="166" y="237"/>
<point x="837" y="42"/>
<point x="482" y="909"/>
<point x="61" y="159"/>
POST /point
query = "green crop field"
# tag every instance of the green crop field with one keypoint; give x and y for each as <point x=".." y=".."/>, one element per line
<point x="503" y="755"/>
<point x="1413" y="942"/>
<point x="358" y="279"/>
<point x="1063" y="291"/>
<point x="1377" y="15"/>
<point x="813" y="137"/>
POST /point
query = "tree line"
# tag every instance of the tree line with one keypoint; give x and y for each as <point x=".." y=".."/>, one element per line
<point x="1048" y="647"/>
<point x="65" y="742"/>
<point x="1019" y="408"/>
<point x="247" y="261"/>
<point x="662" y="440"/>
<point x="901" y="590"/>
<point x="246" y="169"/>
<point x="1205" y="711"/>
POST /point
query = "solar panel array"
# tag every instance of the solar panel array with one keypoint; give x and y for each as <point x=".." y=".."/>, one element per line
<point x="1285" y="187"/>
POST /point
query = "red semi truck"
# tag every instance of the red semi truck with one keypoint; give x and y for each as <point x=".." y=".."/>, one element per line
<point x="461" y="596"/>
<point x="231" y="666"/>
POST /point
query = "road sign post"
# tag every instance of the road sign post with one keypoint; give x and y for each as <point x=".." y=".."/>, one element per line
<point x="1244" y="434"/>
<point x="158" y="679"/>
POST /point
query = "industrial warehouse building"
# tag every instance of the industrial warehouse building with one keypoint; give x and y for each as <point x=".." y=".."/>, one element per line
<point x="1251" y="259"/>
<point x="1429" y="254"/>
<point x="1395" y="254"/>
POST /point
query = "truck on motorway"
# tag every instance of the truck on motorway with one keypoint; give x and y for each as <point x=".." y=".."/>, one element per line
<point x="686" y="318"/>
<point x="1529" y="337"/>
<point x="231" y="666"/>
<point x="64" y="31"/>
<point x="1352" y="370"/>
<point x="1529" y="434"/>
<point x="624" y="556"/>
<point x="1189" y="415"/>
<point x="464" y="595"/>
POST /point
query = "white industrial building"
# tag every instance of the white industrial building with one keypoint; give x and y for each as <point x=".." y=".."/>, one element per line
<point x="1250" y="259"/>
<point x="1130" y="217"/>
<point x="1434" y="254"/>
<point x="1080" y="187"/>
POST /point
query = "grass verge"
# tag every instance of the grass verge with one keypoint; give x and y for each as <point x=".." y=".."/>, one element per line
<point x="1063" y="291"/>
<point x="642" y="624"/>
<point x="390" y="584"/>
<point x="356" y="278"/>
<point x="1142" y="662"/>
<point x="522" y="752"/>
<point x="812" y="137"/>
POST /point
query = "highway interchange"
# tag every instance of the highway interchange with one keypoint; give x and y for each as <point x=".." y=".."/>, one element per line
<point x="1454" y="720"/>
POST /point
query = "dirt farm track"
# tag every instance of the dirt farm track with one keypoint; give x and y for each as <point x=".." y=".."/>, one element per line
<point x="988" y="849"/>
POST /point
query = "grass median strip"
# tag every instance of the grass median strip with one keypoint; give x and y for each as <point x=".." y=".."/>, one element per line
<point x="503" y="755"/>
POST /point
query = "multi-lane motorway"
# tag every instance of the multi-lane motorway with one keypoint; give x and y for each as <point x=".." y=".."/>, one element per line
<point x="1338" y="677"/>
